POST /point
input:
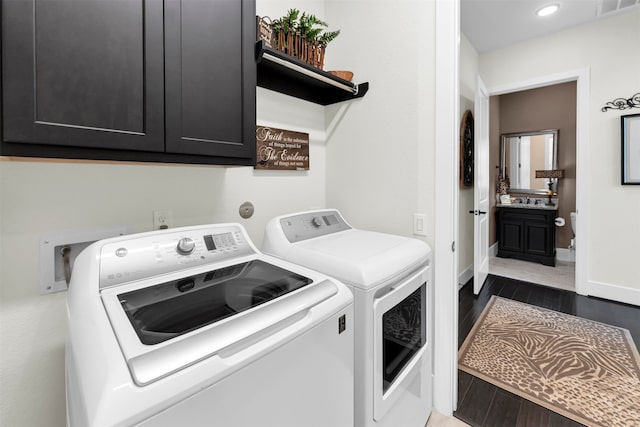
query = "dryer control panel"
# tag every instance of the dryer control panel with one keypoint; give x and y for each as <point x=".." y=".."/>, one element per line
<point x="125" y="260"/>
<point x="309" y="225"/>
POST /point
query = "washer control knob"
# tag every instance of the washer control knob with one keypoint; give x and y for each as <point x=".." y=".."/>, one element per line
<point x="316" y="221"/>
<point x="186" y="245"/>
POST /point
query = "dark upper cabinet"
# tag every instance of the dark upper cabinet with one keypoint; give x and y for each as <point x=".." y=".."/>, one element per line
<point x="169" y="81"/>
<point x="210" y="76"/>
<point x="83" y="73"/>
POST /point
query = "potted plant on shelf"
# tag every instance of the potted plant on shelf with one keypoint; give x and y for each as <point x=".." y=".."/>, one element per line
<point x="303" y="36"/>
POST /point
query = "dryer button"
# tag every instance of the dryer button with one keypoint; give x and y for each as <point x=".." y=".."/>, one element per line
<point x="121" y="252"/>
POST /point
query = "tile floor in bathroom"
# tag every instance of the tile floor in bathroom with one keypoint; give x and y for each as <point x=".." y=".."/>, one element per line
<point x="562" y="276"/>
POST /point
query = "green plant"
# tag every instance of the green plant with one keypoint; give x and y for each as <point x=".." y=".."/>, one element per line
<point x="308" y="26"/>
<point x="328" y="36"/>
<point x="303" y="36"/>
<point x="287" y="22"/>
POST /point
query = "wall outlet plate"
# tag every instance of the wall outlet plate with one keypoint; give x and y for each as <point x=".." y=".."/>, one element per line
<point x="162" y="219"/>
<point x="52" y="277"/>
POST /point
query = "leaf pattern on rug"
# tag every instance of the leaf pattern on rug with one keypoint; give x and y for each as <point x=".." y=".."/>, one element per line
<point x="584" y="370"/>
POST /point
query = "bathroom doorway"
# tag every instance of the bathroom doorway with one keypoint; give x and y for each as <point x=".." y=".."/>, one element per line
<point x="571" y="269"/>
<point x="522" y="143"/>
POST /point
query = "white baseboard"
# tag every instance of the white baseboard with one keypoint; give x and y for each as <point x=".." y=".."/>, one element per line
<point x="493" y="250"/>
<point x="564" y="254"/>
<point x="464" y="277"/>
<point x="614" y="292"/>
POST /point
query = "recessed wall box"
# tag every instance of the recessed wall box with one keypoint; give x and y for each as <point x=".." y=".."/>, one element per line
<point x="52" y="263"/>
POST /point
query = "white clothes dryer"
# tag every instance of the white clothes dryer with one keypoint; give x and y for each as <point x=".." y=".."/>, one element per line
<point x="390" y="277"/>
<point x="194" y="326"/>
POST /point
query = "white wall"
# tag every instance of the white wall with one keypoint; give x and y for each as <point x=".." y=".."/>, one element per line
<point x="611" y="50"/>
<point x="45" y="197"/>
<point x="468" y="76"/>
<point x="380" y="150"/>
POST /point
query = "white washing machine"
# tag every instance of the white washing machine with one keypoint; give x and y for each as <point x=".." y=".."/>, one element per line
<point x="194" y="326"/>
<point x="390" y="277"/>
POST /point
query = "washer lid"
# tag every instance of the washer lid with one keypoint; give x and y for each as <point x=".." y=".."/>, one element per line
<point x="166" y="310"/>
<point x="360" y="258"/>
<point x="165" y="327"/>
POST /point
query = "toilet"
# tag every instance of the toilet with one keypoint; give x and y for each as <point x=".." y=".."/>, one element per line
<point x="573" y="228"/>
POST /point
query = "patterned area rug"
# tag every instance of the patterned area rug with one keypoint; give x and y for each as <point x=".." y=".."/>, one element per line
<point x="584" y="370"/>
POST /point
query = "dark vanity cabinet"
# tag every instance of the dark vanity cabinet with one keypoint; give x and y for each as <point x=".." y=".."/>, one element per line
<point x="527" y="233"/>
<point x="170" y="81"/>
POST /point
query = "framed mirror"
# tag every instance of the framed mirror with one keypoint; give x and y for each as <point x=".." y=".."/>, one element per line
<point x="522" y="153"/>
<point x="631" y="149"/>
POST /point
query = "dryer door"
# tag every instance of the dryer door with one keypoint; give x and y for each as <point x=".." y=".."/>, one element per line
<point x="400" y="339"/>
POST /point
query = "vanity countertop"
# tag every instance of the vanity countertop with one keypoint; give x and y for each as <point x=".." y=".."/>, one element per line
<point x="528" y="206"/>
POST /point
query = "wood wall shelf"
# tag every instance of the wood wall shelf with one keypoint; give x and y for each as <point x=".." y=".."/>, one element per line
<point x="282" y="73"/>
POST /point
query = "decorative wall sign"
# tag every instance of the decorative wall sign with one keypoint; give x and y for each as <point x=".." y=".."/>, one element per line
<point x="466" y="150"/>
<point x="623" y="104"/>
<point x="280" y="149"/>
<point x="264" y="31"/>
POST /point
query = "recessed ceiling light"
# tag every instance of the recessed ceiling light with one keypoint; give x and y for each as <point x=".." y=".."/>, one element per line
<point x="548" y="10"/>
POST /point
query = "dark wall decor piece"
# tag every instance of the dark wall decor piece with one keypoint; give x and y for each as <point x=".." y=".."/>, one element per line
<point x="630" y="149"/>
<point x="466" y="150"/>
<point x="623" y="104"/>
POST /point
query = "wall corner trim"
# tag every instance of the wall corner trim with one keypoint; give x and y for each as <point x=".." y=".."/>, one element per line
<point x="465" y="275"/>
<point x="614" y="292"/>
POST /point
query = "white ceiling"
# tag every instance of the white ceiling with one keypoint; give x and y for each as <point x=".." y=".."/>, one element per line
<point x="492" y="24"/>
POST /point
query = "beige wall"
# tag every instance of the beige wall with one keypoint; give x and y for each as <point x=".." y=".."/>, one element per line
<point x="551" y="107"/>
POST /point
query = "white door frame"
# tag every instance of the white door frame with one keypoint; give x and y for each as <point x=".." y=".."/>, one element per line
<point x="447" y="140"/>
<point x="582" y="78"/>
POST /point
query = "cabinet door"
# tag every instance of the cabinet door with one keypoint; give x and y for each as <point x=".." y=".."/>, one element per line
<point x="511" y="236"/>
<point x="83" y="73"/>
<point x="210" y="77"/>
<point x="539" y="237"/>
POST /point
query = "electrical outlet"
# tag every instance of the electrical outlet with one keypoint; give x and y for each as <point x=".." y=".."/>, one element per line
<point x="162" y="219"/>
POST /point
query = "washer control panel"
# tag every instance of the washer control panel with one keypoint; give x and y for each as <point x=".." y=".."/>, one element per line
<point x="312" y="224"/>
<point x="164" y="252"/>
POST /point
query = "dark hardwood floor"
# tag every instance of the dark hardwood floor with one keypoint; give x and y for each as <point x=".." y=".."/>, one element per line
<point x="482" y="404"/>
